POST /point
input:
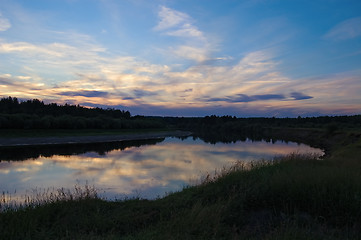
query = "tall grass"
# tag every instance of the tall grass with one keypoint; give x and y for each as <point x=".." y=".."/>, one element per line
<point x="241" y="166"/>
<point x="37" y="197"/>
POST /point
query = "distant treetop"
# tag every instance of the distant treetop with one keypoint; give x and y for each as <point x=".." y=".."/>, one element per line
<point x="11" y="105"/>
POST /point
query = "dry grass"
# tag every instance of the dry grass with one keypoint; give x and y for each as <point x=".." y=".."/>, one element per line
<point x="37" y="197"/>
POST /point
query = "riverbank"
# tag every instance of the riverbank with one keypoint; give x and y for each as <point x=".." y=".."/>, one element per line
<point x="77" y="138"/>
<point x="296" y="197"/>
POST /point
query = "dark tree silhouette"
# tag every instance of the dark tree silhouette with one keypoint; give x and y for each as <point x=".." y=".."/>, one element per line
<point x="35" y="114"/>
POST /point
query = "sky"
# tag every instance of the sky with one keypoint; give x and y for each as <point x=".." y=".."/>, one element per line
<point x="245" y="58"/>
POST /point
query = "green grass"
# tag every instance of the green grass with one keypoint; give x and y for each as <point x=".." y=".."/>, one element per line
<point x="295" y="197"/>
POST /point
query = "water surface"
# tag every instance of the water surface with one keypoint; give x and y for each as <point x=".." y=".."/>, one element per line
<point x="146" y="169"/>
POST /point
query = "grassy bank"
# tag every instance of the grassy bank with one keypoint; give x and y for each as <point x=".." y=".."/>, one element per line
<point x="296" y="197"/>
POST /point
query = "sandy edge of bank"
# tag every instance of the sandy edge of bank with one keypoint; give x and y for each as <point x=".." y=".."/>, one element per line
<point x="28" y="141"/>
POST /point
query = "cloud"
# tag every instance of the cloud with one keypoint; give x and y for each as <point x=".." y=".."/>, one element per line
<point x="143" y="93"/>
<point x="347" y="29"/>
<point x="243" y="98"/>
<point x="5" y="81"/>
<point x="170" y="18"/>
<point x="187" y="30"/>
<point x="128" y="98"/>
<point x="4" y="23"/>
<point x="196" y="90"/>
<point x="246" y="98"/>
<point x="54" y="50"/>
<point x="85" y="93"/>
<point x="18" y="83"/>
<point x="21" y="87"/>
<point x="251" y="84"/>
<point x="192" y="53"/>
<point x="177" y="24"/>
<point x="300" y="96"/>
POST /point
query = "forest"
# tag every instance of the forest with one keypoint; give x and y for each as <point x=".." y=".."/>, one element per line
<point x="35" y="114"/>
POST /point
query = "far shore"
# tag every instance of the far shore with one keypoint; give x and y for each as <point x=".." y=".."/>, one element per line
<point x="28" y="141"/>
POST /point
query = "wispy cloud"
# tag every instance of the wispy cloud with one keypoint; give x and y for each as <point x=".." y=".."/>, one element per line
<point x="82" y="50"/>
<point x="187" y="30"/>
<point x="5" y="81"/>
<point x="130" y="78"/>
<point x="178" y="24"/>
<point x="4" y="23"/>
<point x="192" y="53"/>
<point x="85" y="93"/>
<point x="246" y="98"/>
<point x="21" y="87"/>
<point x="252" y="82"/>
<point x="170" y="18"/>
<point x="348" y="29"/>
<point x="139" y="93"/>
<point x="55" y="50"/>
<point x="300" y="96"/>
<point x="72" y="67"/>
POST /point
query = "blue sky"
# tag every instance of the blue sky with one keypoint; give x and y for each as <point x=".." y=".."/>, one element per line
<point x="185" y="58"/>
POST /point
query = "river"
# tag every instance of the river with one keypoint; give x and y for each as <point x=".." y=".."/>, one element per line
<point x="144" y="168"/>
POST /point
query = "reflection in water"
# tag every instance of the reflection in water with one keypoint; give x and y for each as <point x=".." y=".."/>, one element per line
<point x="27" y="152"/>
<point x="146" y="171"/>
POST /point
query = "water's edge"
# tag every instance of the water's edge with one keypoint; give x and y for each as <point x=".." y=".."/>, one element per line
<point x="34" y="141"/>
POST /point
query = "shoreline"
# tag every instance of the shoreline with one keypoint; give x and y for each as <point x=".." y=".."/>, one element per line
<point x="35" y="141"/>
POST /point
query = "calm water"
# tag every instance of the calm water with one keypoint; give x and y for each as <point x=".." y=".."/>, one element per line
<point x="146" y="169"/>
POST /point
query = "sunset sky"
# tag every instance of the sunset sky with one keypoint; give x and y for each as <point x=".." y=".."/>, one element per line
<point x="185" y="57"/>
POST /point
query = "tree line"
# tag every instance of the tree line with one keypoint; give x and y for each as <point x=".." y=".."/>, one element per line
<point x="11" y="105"/>
<point x="231" y="128"/>
<point x="261" y="122"/>
<point x="35" y="114"/>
